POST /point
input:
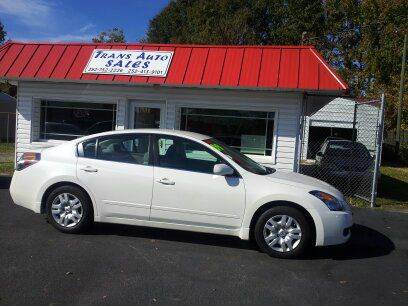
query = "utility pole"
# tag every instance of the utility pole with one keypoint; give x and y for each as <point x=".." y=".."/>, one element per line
<point x="304" y="36"/>
<point x="401" y="95"/>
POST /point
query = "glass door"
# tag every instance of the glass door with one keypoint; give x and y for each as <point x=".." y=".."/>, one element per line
<point x="146" y="115"/>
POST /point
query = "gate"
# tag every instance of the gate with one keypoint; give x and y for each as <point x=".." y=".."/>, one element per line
<point x="341" y="144"/>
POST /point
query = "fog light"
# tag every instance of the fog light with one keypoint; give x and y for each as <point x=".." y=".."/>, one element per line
<point x="346" y="232"/>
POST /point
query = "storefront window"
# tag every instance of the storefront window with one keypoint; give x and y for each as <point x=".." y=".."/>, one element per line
<point x="250" y="132"/>
<point x="70" y="120"/>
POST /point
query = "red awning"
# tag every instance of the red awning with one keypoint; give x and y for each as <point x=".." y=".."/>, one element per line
<point x="298" y="68"/>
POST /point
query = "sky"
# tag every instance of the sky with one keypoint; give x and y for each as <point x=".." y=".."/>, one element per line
<point x="76" y="20"/>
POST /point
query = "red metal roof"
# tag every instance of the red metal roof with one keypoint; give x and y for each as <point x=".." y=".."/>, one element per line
<point x="299" y="68"/>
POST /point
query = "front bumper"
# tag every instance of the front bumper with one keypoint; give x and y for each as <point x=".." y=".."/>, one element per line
<point x="336" y="227"/>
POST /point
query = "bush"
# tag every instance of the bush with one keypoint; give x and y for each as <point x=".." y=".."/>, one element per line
<point x="403" y="152"/>
<point x="388" y="153"/>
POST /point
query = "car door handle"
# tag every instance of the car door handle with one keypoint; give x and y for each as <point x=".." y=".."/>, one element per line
<point x="166" y="181"/>
<point x="89" y="169"/>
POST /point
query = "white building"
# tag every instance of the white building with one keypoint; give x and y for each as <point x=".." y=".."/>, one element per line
<point x="251" y="97"/>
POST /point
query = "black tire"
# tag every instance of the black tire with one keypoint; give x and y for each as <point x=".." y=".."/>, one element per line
<point x="306" y="232"/>
<point x="87" y="212"/>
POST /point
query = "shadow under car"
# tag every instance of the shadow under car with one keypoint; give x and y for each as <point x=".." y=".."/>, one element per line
<point x="365" y="242"/>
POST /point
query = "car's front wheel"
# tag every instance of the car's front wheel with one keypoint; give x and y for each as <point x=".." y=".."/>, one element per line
<point x="69" y="209"/>
<point x="283" y="231"/>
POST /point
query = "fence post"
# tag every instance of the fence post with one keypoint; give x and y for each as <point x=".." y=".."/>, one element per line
<point x="353" y="139"/>
<point x="378" y="153"/>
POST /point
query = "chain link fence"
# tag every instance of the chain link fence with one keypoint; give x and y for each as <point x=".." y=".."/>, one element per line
<point x="7" y="138"/>
<point x="341" y="145"/>
<point x="7" y="127"/>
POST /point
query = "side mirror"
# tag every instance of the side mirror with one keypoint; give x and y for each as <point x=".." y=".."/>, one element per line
<point x="223" y="169"/>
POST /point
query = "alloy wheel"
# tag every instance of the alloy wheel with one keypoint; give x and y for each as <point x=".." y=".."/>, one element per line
<point x="282" y="233"/>
<point x="66" y="210"/>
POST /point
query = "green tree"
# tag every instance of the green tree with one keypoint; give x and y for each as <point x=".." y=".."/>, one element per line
<point x="381" y="48"/>
<point x="236" y="21"/>
<point x="2" y="33"/>
<point x="361" y="38"/>
<point x="114" y="35"/>
<point x="364" y="41"/>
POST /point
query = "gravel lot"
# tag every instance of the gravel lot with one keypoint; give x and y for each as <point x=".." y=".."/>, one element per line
<point x="115" y="264"/>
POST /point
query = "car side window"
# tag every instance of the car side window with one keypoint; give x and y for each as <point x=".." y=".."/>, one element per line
<point x="183" y="154"/>
<point x="128" y="148"/>
<point x="89" y="148"/>
<point x="323" y="148"/>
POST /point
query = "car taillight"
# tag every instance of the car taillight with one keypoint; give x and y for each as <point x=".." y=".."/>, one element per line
<point x="27" y="159"/>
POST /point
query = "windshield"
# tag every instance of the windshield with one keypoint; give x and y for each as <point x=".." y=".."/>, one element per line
<point x="241" y="159"/>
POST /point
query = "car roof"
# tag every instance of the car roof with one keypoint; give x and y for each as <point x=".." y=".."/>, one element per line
<point x="187" y="134"/>
<point x="345" y="142"/>
<point x="340" y="141"/>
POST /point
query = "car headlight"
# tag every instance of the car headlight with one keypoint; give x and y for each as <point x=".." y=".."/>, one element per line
<point x="331" y="202"/>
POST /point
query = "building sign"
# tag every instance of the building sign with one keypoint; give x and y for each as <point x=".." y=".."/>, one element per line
<point x="129" y="62"/>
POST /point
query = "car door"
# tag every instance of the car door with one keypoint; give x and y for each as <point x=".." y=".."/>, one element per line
<point x="187" y="192"/>
<point x="118" y="171"/>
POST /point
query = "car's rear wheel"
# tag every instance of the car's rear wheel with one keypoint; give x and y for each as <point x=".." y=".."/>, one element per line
<point x="69" y="209"/>
<point x="283" y="231"/>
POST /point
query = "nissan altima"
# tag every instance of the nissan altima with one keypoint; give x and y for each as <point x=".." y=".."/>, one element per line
<point x="179" y="180"/>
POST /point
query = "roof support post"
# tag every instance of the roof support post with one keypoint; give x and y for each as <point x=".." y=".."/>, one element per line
<point x="300" y="138"/>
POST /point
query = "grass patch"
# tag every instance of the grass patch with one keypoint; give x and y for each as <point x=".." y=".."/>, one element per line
<point x="6" y="158"/>
<point x="6" y="168"/>
<point x="357" y="202"/>
<point x="393" y="186"/>
<point x="7" y="148"/>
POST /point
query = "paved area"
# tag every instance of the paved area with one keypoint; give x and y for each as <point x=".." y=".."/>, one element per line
<point x="115" y="264"/>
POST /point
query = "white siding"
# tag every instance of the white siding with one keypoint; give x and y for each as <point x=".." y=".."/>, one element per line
<point x="121" y="114"/>
<point x="367" y="124"/>
<point x="286" y="106"/>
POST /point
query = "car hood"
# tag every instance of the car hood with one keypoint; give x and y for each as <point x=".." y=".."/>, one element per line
<point x="303" y="181"/>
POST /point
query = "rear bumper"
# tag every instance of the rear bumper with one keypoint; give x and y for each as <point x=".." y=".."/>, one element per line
<point x="23" y="191"/>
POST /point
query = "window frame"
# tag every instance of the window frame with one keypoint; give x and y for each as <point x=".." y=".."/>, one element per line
<point x="154" y="140"/>
<point x="80" y="147"/>
<point x="80" y="150"/>
<point x="38" y="105"/>
<point x="269" y="159"/>
<point x="158" y="104"/>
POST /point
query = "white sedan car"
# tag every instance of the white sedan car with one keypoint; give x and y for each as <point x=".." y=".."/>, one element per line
<point x="179" y="180"/>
